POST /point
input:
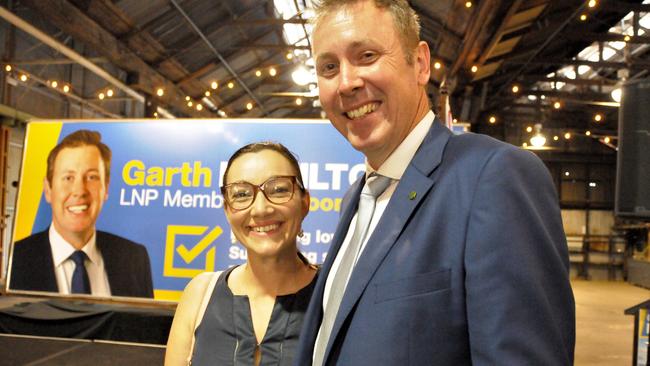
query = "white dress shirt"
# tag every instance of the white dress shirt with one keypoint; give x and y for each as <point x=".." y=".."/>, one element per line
<point x="394" y="168"/>
<point x="64" y="266"/>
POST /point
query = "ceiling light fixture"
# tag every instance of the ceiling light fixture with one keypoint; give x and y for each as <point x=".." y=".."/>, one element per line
<point x="538" y="140"/>
<point x="302" y="76"/>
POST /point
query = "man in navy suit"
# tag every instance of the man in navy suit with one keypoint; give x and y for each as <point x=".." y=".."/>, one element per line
<point x="76" y="187"/>
<point x="465" y="261"/>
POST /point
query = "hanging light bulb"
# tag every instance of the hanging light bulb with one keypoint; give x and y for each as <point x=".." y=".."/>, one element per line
<point x="538" y="140"/>
<point x="616" y="94"/>
<point x="301" y="75"/>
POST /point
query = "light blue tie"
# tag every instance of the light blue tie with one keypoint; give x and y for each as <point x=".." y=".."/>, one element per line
<point x="80" y="282"/>
<point x="374" y="187"/>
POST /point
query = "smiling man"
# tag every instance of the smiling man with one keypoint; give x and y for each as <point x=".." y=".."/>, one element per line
<point x="450" y="249"/>
<point x="72" y="256"/>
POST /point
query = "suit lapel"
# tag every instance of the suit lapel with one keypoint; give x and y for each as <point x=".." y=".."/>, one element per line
<point x="315" y="312"/>
<point x="45" y="263"/>
<point x="417" y="178"/>
<point x="111" y="263"/>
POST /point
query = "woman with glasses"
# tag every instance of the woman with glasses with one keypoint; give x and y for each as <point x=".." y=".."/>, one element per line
<point x="251" y="314"/>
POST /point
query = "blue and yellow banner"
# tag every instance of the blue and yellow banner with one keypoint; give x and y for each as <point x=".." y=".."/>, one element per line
<point x="164" y="187"/>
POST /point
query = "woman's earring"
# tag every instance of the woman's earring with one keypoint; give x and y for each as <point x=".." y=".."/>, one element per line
<point x="301" y="233"/>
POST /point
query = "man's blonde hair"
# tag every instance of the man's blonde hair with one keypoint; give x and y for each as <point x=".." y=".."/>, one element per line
<point x="405" y="20"/>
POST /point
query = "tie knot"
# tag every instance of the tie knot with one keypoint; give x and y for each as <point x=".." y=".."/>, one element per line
<point x="376" y="185"/>
<point x="78" y="257"/>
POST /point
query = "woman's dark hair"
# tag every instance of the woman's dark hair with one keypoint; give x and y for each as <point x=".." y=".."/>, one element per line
<point x="266" y="145"/>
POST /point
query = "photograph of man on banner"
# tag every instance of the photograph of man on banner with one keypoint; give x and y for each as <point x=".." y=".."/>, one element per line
<point x="71" y="256"/>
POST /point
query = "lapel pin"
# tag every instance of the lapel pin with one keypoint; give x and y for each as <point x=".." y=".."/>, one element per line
<point x="412" y="195"/>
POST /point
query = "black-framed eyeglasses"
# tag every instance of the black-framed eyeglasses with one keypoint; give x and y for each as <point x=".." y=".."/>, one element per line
<point x="277" y="189"/>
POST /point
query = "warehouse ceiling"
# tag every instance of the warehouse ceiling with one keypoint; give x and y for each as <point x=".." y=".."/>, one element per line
<point x="510" y="68"/>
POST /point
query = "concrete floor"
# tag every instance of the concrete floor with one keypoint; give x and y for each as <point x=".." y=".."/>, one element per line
<point x="604" y="334"/>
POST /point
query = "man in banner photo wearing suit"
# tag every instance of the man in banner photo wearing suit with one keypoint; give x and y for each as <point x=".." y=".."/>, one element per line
<point x="450" y="250"/>
<point x="72" y="256"/>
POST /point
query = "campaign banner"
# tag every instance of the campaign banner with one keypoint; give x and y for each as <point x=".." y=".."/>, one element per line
<point x="164" y="189"/>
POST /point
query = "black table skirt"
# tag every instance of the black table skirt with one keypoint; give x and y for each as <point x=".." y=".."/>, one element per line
<point x="76" y="319"/>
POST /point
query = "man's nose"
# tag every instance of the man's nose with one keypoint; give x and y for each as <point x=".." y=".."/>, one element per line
<point x="350" y="80"/>
<point x="79" y="186"/>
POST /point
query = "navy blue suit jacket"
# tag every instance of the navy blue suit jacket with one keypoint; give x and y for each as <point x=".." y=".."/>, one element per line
<point x="126" y="264"/>
<point x="468" y="265"/>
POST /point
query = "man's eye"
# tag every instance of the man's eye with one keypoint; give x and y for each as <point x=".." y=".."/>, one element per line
<point x="328" y="69"/>
<point x="368" y="56"/>
<point x="93" y="178"/>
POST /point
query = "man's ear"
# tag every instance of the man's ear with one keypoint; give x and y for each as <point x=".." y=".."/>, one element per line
<point x="47" y="190"/>
<point x="106" y="192"/>
<point x="423" y="62"/>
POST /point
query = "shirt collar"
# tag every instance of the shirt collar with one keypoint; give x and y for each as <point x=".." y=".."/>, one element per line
<point x="396" y="164"/>
<point x="61" y="249"/>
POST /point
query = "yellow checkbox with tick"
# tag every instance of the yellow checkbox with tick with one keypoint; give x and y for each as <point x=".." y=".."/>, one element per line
<point x="190" y="254"/>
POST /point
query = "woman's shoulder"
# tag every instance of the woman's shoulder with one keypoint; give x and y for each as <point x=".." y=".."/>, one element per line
<point x="195" y="291"/>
